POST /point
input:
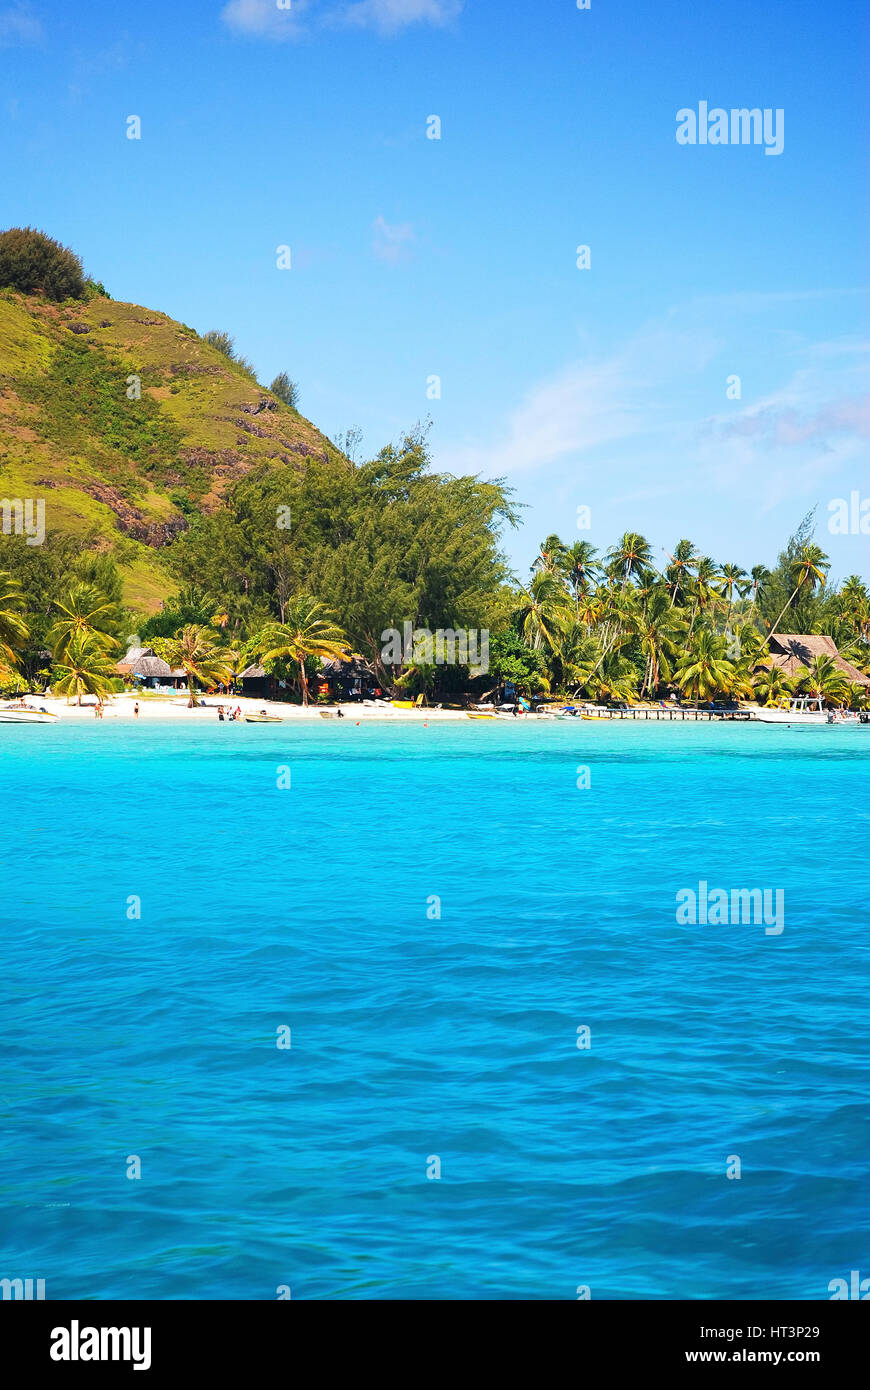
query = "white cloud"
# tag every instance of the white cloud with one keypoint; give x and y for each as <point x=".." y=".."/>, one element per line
<point x="590" y="405"/>
<point x="392" y="242"/>
<point x="389" y="16"/>
<point x="263" y="19"/>
<point x="18" y="26"/>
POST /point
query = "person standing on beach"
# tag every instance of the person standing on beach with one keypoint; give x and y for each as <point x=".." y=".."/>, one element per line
<point x="136" y="710"/>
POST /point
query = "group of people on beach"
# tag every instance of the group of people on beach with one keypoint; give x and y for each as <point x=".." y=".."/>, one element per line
<point x="230" y="714"/>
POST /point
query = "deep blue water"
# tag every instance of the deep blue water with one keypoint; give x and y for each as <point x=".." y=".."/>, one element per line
<point x="415" y="1036"/>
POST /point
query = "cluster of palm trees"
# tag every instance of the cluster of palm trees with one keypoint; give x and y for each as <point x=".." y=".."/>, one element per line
<point x="616" y="626"/>
<point x="308" y="630"/>
<point x="608" y="627"/>
<point x="85" y="650"/>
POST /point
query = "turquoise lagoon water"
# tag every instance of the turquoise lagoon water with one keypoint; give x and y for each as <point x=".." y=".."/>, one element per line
<point x="415" y="1036"/>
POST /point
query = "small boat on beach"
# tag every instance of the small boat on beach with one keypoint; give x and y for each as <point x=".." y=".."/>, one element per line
<point x="26" y="714"/>
<point x="263" y="719"/>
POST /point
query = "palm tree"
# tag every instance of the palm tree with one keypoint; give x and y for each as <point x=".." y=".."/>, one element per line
<point x="824" y="678"/>
<point x="589" y="610"/>
<point x="704" y="670"/>
<point x="617" y="682"/>
<point x="749" y="641"/>
<point x="631" y="553"/>
<point x="308" y="629"/>
<point x="854" y="605"/>
<point x="657" y="627"/>
<point x="543" y="612"/>
<point x="85" y="611"/>
<point x="731" y="579"/>
<point x="84" y="668"/>
<point x="771" y="685"/>
<point x="759" y="575"/>
<point x="13" y="629"/>
<point x="679" y="571"/>
<point x="194" y="650"/>
<point x="619" y="613"/>
<point x="550" y="559"/>
<point x="809" y="568"/>
<point x="703" y="587"/>
<point x="578" y="563"/>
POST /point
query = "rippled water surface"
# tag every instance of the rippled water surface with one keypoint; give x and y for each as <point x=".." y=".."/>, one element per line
<point x="416" y="1036"/>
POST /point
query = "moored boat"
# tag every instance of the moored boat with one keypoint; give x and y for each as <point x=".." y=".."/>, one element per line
<point x="26" y="714"/>
<point x="806" y="709"/>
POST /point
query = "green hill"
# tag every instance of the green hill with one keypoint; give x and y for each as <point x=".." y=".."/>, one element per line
<point x="122" y="473"/>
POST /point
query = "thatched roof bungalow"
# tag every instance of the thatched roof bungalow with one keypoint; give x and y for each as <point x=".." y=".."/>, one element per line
<point x="152" y="670"/>
<point x="793" y="653"/>
<point x="141" y="661"/>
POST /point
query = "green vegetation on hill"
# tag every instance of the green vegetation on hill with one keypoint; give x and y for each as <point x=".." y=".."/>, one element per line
<point x="127" y="423"/>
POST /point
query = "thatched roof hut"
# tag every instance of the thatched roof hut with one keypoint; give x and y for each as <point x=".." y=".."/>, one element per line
<point x="141" y="661"/>
<point x="148" y="666"/>
<point x="793" y="653"/>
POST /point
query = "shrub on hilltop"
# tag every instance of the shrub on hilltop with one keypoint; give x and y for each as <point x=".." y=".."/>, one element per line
<point x="34" y="263"/>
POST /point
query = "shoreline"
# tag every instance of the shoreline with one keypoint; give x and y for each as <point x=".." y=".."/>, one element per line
<point x="173" y="710"/>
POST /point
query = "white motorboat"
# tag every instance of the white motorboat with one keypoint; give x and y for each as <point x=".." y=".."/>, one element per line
<point x="25" y="714"/>
<point x="806" y="709"/>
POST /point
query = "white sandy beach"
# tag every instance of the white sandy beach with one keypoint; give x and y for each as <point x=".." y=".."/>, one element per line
<point x="173" y="708"/>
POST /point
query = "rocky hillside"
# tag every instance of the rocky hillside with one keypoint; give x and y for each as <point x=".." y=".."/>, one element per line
<point x="126" y="423"/>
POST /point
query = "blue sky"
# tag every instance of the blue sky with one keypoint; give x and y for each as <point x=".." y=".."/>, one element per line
<point x="603" y="387"/>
